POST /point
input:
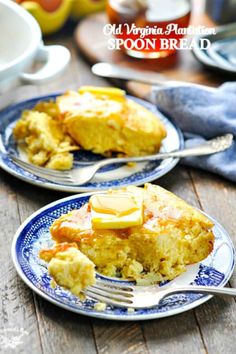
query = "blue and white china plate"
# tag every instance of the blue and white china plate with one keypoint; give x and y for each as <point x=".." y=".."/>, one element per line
<point x="34" y="235"/>
<point x="222" y="54"/>
<point x="114" y="176"/>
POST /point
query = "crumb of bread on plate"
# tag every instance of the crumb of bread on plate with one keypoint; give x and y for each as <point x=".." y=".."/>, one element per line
<point x="100" y="306"/>
<point x="53" y="284"/>
<point x="132" y="164"/>
<point x="69" y="267"/>
<point x="171" y="234"/>
<point x="130" y="310"/>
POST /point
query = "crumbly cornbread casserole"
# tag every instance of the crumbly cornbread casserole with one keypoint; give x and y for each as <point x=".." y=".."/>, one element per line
<point x="143" y="234"/>
<point x="69" y="267"/>
<point x="101" y="120"/>
<point x="45" y="140"/>
<point x="105" y="121"/>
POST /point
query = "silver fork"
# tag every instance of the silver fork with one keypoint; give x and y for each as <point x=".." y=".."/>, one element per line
<point x="138" y="297"/>
<point x="81" y="175"/>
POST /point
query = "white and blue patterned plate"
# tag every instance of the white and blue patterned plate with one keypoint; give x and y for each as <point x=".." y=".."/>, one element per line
<point x="113" y="176"/>
<point x="34" y="235"/>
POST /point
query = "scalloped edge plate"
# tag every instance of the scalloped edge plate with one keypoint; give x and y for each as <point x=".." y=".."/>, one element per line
<point x="214" y="270"/>
<point x="104" y="180"/>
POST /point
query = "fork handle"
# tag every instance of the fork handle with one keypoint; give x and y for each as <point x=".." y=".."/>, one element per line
<point x="208" y="147"/>
<point x="211" y="290"/>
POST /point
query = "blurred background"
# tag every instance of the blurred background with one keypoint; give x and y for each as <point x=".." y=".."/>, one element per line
<point x="59" y="11"/>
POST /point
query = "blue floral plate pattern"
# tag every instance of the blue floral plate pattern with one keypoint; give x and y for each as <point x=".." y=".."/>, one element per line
<point x="114" y="176"/>
<point x="34" y="234"/>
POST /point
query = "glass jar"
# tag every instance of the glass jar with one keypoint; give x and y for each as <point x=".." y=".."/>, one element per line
<point x="148" y="28"/>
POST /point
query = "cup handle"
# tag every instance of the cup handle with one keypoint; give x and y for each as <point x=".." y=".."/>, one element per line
<point x="56" y="59"/>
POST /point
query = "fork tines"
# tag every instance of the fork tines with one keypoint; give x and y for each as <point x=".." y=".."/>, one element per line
<point x="113" y="293"/>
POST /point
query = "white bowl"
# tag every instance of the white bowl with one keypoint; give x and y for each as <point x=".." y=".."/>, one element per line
<point x="21" y="44"/>
<point x="19" y="40"/>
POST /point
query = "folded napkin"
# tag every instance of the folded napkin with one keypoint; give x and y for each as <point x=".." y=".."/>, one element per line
<point x="202" y="114"/>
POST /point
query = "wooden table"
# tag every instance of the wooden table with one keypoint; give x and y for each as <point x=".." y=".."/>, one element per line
<point x="210" y="328"/>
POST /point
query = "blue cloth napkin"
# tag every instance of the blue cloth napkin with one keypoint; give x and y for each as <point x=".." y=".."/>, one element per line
<point x="202" y="114"/>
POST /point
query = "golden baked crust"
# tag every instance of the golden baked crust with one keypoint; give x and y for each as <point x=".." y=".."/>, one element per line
<point x="109" y="123"/>
<point x="173" y="235"/>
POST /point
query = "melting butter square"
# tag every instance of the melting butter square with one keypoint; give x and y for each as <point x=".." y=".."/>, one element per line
<point x="116" y="210"/>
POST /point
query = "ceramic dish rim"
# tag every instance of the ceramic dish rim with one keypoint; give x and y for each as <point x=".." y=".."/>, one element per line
<point x="202" y="56"/>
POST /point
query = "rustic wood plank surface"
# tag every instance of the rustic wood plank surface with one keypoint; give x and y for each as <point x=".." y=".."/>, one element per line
<point x="49" y="329"/>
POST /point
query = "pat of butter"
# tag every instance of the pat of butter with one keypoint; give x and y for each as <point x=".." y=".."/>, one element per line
<point x="116" y="210"/>
<point x="110" y="92"/>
